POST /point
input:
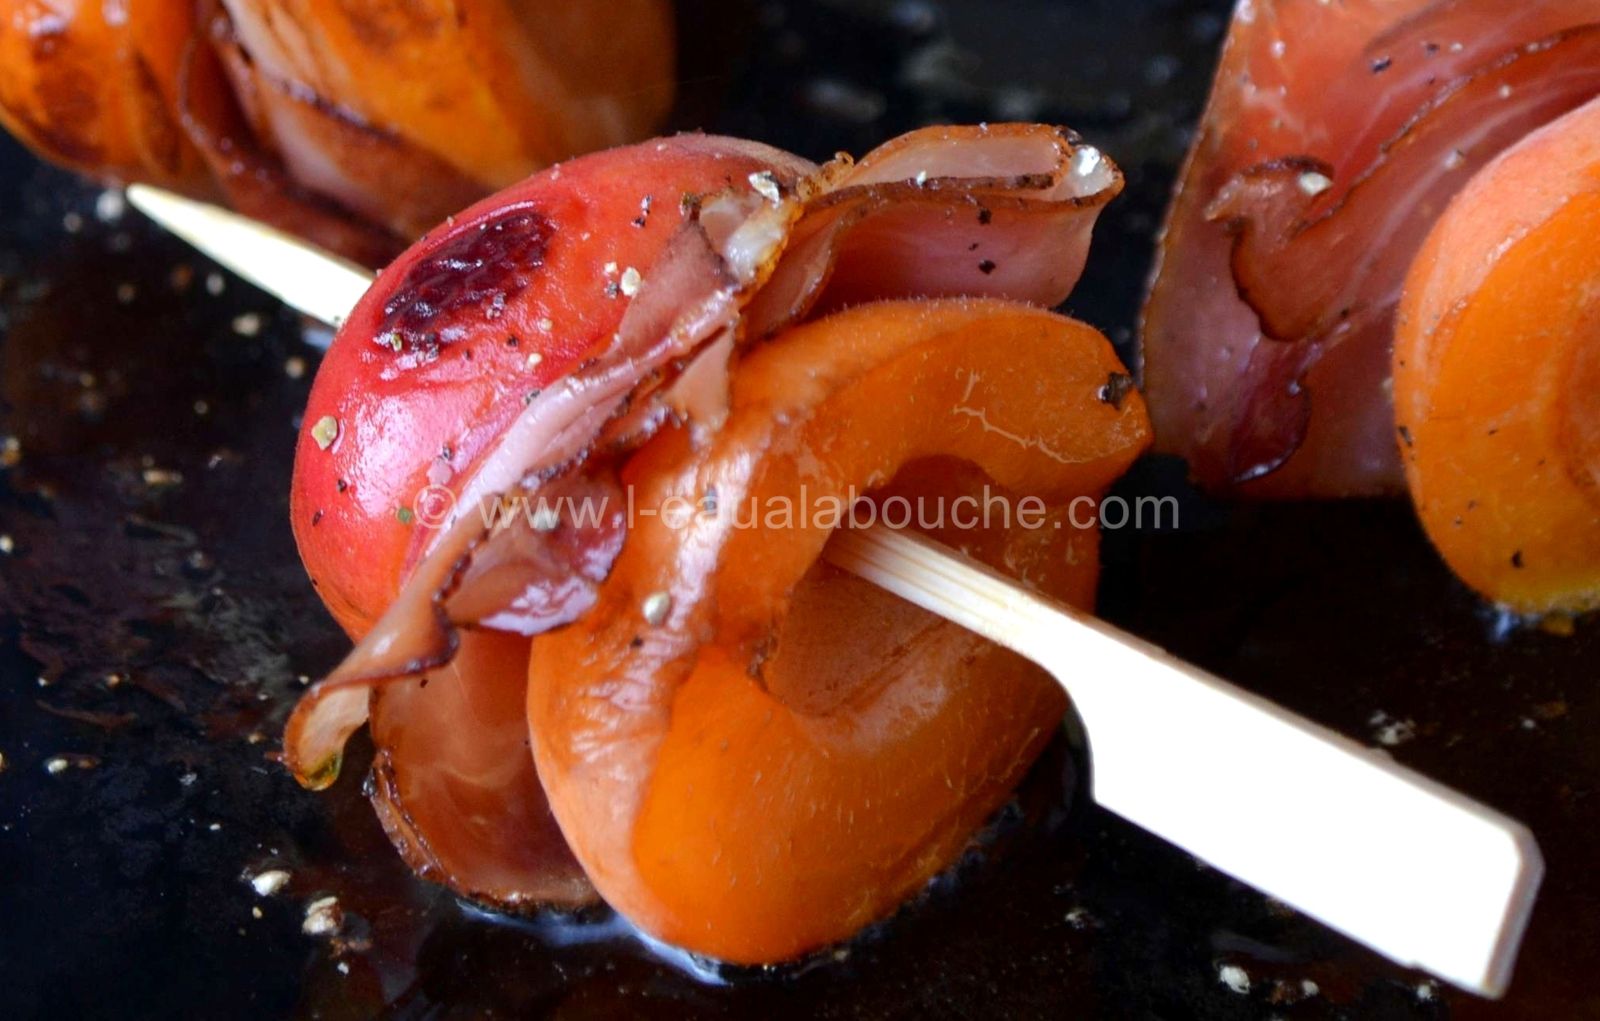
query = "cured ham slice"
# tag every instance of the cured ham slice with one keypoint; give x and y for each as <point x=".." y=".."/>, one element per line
<point x="1335" y="135"/>
<point x="538" y="348"/>
<point x="452" y="785"/>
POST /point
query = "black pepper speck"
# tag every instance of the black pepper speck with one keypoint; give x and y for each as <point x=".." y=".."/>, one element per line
<point x="1116" y="389"/>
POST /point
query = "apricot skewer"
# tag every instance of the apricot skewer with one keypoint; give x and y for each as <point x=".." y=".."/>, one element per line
<point x="1406" y="866"/>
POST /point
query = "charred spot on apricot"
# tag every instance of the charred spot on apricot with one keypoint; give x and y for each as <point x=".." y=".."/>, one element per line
<point x="482" y="269"/>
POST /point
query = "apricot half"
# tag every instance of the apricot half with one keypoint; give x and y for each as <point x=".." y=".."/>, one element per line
<point x="1497" y="374"/>
<point x="726" y="785"/>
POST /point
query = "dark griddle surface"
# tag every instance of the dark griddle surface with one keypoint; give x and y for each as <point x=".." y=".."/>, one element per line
<point x="170" y="620"/>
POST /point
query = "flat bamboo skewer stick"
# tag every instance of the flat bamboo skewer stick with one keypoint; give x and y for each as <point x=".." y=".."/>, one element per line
<point x="1406" y="866"/>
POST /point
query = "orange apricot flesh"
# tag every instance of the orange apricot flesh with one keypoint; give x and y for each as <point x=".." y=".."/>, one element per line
<point x="779" y="754"/>
<point x="1497" y="374"/>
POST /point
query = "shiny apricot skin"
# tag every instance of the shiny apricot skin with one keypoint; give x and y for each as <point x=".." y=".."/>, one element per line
<point x="784" y="755"/>
<point x="396" y="415"/>
<point x="1497" y="374"/>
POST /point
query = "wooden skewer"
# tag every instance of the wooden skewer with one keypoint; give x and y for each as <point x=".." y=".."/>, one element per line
<point x="1412" y="869"/>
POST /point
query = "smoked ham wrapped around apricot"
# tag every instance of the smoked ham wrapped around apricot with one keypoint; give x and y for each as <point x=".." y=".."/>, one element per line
<point x="747" y="753"/>
<point x="358" y="124"/>
<point x="1335" y="135"/>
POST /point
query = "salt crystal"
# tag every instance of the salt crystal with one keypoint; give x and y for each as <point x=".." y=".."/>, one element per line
<point x="1314" y="183"/>
<point x="324" y="917"/>
<point x="1234" y="977"/>
<point x="269" y="881"/>
<point x="656" y="606"/>
<point x="766" y="186"/>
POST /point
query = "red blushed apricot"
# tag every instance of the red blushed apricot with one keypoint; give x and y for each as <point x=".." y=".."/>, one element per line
<point x="406" y="397"/>
<point x="1497" y="375"/>
<point x="754" y="756"/>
